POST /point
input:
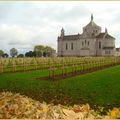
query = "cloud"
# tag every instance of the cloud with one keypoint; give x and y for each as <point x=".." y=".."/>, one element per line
<point x="25" y="24"/>
<point x="14" y="35"/>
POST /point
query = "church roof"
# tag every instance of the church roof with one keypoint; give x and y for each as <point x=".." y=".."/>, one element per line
<point x="101" y="35"/>
<point x="71" y="37"/>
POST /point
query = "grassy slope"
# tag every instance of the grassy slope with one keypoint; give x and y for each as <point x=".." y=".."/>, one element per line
<point x="101" y="87"/>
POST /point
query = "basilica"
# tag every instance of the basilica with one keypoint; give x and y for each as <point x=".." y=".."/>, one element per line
<point x="91" y="42"/>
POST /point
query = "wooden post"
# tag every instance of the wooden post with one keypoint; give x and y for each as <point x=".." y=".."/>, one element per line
<point x="83" y="67"/>
<point x="75" y="68"/>
<point x="51" y="72"/>
<point x="49" y="69"/>
<point x="23" y="65"/>
<point x="115" y="61"/>
<point x="36" y="65"/>
<point x="87" y="69"/>
<point x="94" y="64"/>
<point x="1" y="68"/>
<point x="14" y="66"/>
<point x="100" y="64"/>
<point x="65" y="69"/>
<point x="62" y="68"/>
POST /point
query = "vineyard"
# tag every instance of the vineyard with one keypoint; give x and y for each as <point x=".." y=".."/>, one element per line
<point x="69" y="80"/>
<point x="58" y="68"/>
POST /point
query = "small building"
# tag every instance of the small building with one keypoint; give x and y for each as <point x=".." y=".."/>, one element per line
<point x="117" y="52"/>
<point x="91" y="42"/>
<point x="54" y="54"/>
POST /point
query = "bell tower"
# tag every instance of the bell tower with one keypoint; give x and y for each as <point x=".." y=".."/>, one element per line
<point x="62" y="33"/>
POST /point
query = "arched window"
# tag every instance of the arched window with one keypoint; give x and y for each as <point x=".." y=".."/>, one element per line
<point x="93" y="34"/>
<point x="82" y="43"/>
<point x="88" y="43"/>
<point x="99" y="45"/>
<point x="71" y="46"/>
<point x="66" y="46"/>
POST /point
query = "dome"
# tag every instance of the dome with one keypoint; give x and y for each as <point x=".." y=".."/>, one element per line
<point x="92" y="23"/>
<point x="91" y="29"/>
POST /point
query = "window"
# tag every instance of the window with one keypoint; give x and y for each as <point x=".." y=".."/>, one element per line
<point x="99" y="45"/>
<point x="93" y="34"/>
<point x="66" y="46"/>
<point x="88" y="43"/>
<point x="85" y="41"/>
<point x="71" y="46"/>
<point x="82" y="43"/>
<point x="107" y="52"/>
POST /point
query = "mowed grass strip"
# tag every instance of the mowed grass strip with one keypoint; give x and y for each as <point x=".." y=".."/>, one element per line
<point x="97" y="88"/>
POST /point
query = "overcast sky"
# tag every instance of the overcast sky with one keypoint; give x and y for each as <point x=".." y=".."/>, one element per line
<point x="25" y="24"/>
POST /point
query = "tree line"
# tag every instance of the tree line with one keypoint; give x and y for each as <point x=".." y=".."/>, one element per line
<point x="38" y="51"/>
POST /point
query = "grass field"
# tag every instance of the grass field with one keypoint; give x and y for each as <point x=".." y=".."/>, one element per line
<point x="97" y="88"/>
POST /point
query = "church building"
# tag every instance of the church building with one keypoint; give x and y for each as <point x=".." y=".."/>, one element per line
<point x="91" y="42"/>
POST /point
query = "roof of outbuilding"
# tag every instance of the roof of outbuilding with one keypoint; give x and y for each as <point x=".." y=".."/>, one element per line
<point x="101" y="35"/>
<point x="109" y="47"/>
<point x="118" y="49"/>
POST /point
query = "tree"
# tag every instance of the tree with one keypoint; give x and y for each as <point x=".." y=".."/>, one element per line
<point x="30" y="54"/>
<point x="13" y="52"/>
<point x="48" y="51"/>
<point x="20" y="56"/>
<point x="1" y="53"/>
<point x="5" y="55"/>
<point x="39" y="49"/>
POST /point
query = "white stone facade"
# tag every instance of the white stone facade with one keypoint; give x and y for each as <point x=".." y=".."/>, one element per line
<point x="117" y="52"/>
<point x="90" y="43"/>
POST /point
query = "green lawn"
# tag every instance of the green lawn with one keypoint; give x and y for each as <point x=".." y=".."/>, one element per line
<point x="101" y="87"/>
